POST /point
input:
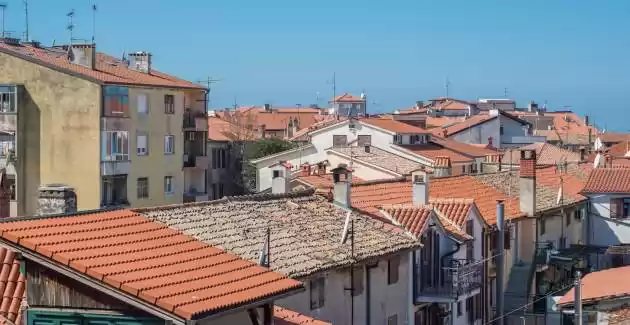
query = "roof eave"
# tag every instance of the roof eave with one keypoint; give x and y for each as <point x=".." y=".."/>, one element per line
<point x="50" y="66"/>
<point x="152" y="85"/>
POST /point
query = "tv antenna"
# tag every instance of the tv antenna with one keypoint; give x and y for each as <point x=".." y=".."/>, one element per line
<point x="505" y="92"/>
<point x="94" y="9"/>
<point x="208" y="82"/>
<point x="70" y="26"/>
<point x="447" y="85"/>
<point x="26" y="18"/>
<point x="3" y="7"/>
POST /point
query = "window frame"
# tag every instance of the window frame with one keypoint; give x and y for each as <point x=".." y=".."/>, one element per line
<point x="336" y="143"/>
<point x="317" y="293"/>
<point x="168" y="182"/>
<point x="116" y="143"/>
<point x="166" y="143"/>
<point x="116" y="101"/>
<point x="142" y="192"/>
<point x="146" y="144"/>
<point x="543" y="226"/>
<point x="169" y="105"/>
<point x="146" y="104"/>
<point x="357" y="278"/>
<point x="393" y="270"/>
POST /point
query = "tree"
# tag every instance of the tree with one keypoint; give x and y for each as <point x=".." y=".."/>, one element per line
<point x="258" y="149"/>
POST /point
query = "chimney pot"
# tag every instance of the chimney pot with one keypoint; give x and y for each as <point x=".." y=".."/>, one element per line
<point x="281" y="177"/>
<point x="420" y="187"/>
<point x="306" y="169"/>
<point x="527" y="182"/>
<point x="267" y="107"/>
<point x="342" y="185"/>
<point x="445" y="133"/>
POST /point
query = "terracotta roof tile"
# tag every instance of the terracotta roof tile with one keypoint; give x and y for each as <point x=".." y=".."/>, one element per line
<point x="323" y="181"/>
<point x="614" y="137"/>
<point x="463" y="125"/>
<point x="347" y="98"/>
<point x="392" y="125"/>
<point x="108" y="69"/>
<point x="604" y="284"/>
<point x="621" y="149"/>
<point x="546" y="154"/>
<point x="413" y="218"/>
<point x="283" y="316"/>
<point x="463" y="148"/>
<point x="305" y="230"/>
<point x="380" y="158"/>
<point x="12" y="287"/>
<point x="608" y="180"/>
<point x="434" y="151"/>
<point x="148" y="260"/>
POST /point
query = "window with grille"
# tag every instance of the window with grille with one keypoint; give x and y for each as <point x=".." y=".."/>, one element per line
<point x="143" y="187"/>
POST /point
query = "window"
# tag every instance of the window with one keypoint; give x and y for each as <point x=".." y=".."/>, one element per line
<point x="542" y="226"/>
<point x="142" y="148"/>
<point x="393" y="265"/>
<point x="8" y="99"/>
<point x="143" y="104"/>
<point x="562" y="242"/>
<point x="568" y="218"/>
<point x="168" y="184"/>
<point x="357" y="281"/>
<point x="459" y="308"/>
<point x="501" y="131"/>
<point x="578" y="214"/>
<point x="478" y="306"/>
<point x="169" y="104"/>
<point x="277" y="173"/>
<point x="470" y="248"/>
<point x="473" y="168"/>
<point x="507" y="238"/>
<point x="11" y="186"/>
<point x="398" y="139"/>
<point x="340" y="141"/>
<point x="116" y="101"/>
<point x="143" y="187"/>
<point x="469" y="310"/>
<point x="463" y="169"/>
<point x="620" y="208"/>
<point x="114" y="191"/>
<point x="318" y="292"/>
<point x="219" y="158"/>
<point x="392" y="320"/>
<point x="364" y="140"/>
<point x="169" y="144"/>
<point x="116" y="146"/>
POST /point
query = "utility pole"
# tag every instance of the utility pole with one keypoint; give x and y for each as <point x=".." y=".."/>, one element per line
<point x="578" y="298"/>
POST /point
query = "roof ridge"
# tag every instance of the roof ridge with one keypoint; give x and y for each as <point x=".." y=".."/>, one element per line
<point x="381" y="181"/>
<point x="63" y="215"/>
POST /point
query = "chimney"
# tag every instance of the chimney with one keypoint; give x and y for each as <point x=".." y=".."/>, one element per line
<point x="342" y="184"/>
<point x="445" y="133"/>
<point x="527" y="182"/>
<point x="83" y="54"/>
<point x="419" y="104"/>
<point x="321" y="168"/>
<point x="140" y="61"/>
<point x="56" y="199"/>
<point x="367" y="149"/>
<point x="280" y="177"/>
<point x="306" y="169"/>
<point x="420" y="186"/>
<point x="586" y="120"/>
<point x="442" y="166"/>
<point x="267" y="107"/>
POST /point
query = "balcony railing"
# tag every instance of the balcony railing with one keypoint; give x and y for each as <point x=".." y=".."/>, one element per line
<point x="195" y="121"/>
<point x="461" y="277"/>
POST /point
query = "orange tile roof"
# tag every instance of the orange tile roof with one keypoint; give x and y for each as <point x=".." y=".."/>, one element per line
<point x="620" y="149"/>
<point x="566" y="125"/>
<point x="601" y="285"/>
<point x="619" y="316"/>
<point x="608" y="180"/>
<point x="614" y="137"/>
<point x="283" y="316"/>
<point x="413" y="218"/>
<point x="347" y="98"/>
<point x="109" y="70"/>
<point x="454" y="105"/>
<point x="433" y="152"/>
<point x="392" y="125"/>
<point x="546" y="154"/>
<point x="12" y="285"/>
<point x="277" y="119"/>
<point x="463" y="148"/>
<point x="463" y="125"/>
<point x="149" y="261"/>
<point x="222" y="130"/>
<point x="455" y="210"/>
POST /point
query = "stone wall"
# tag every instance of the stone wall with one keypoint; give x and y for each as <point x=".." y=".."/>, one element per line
<point x="56" y="199"/>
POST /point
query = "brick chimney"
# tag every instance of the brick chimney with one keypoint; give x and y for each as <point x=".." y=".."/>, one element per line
<point x="527" y="182"/>
<point x="83" y="54"/>
<point x="420" y="186"/>
<point x="306" y="169"/>
<point x="280" y="177"/>
<point x="442" y="166"/>
<point x="140" y="61"/>
<point x="56" y="199"/>
<point x="342" y="185"/>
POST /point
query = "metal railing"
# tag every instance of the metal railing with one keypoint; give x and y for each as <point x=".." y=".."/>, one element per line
<point x="459" y="278"/>
<point x="190" y="119"/>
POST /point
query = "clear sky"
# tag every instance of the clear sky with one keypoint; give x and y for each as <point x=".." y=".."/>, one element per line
<point x="569" y="52"/>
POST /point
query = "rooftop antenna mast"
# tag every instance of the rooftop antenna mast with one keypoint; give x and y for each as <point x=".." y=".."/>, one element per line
<point x="3" y="7"/>
<point x="93" y="22"/>
<point x="208" y="82"/>
<point x="70" y="27"/>
<point x="26" y="18"/>
<point x="505" y="92"/>
<point x="447" y="85"/>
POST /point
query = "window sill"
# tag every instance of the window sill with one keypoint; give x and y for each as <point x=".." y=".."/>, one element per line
<point x="169" y="153"/>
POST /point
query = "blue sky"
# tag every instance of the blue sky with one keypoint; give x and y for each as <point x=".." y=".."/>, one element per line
<point x="570" y="53"/>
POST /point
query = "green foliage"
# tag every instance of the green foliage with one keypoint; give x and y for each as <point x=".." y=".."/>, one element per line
<point x="258" y="149"/>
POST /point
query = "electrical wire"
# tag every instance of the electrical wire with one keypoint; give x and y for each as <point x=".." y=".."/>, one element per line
<point x="527" y="304"/>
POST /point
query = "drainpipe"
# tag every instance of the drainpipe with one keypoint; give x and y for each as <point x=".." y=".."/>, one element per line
<point x="500" y="263"/>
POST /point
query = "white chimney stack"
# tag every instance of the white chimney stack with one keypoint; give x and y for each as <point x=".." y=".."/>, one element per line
<point x="342" y="185"/>
<point x="280" y="177"/>
<point x="420" y="186"/>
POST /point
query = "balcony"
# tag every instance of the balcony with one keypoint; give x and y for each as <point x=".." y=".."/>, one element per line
<point x="463" y="278"/>
<point x="196" y="161"/>
<point x="193" y="195"/>
<point x="521" y="140"/>
<point x="114" y="191"/>
<point x="115" y="167"/>
<point x="195" y="121"/>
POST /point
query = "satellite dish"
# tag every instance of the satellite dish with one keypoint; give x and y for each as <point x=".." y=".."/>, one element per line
<point x="346" y="226"/>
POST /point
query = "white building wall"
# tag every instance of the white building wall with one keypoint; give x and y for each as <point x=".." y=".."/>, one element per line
<point x="385" y="300"/>
<point x="479" y="134"/>
<point x="360" y="169"/>
<point x="604" y="231"/>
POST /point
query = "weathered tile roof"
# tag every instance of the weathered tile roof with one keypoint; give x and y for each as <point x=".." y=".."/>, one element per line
<point x="283" y="316"/>
<point x="433" y="151"/>
<point x="323" y="181"/>
<point x="614" y="137"/>
<point x="413" y="218"/>
<point x="12" y="287"/>
<point x="463" y="125"/>
<point x="621" y="149"/>
<point x="601" y="285"/>
<point x="608" y="180"/>
<point x="619" y="316"/>
<point x="463" y="148"/>
<point x="305" y="230"/>
<point x="109" y="70"/>
<point x="389" y="124"/>
<point x="546" y="154"/>
<point x="347" y="98"/>
<point x="380" y="158"/>
<point x="147" y="260"/>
